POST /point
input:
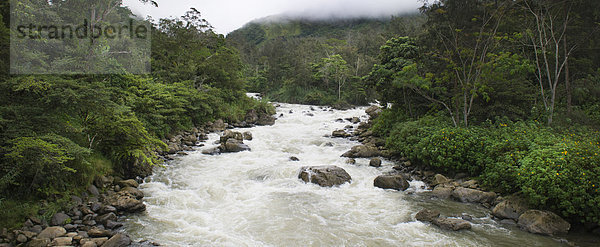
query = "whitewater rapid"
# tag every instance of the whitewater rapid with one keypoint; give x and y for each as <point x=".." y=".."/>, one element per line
<point x="256" y="199"/>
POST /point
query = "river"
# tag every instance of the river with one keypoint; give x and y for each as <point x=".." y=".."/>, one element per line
<point x="255" y="198"/>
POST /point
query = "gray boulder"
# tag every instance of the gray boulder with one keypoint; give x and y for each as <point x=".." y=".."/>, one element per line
<point x="452" y="224"/>
<point x="362" y="151"/>
<point x="375" y="162"/>
<point x="396" y="182"/>
<point x="59" y="219"/>
<point x="442" y="192"/>
<point x="472" y="195"/>
<point x="128" y="183"/>
<point x="339" y="133"/>
<point x="439" y="179"/>
<point x="52" y="232"/>
<point x="511" y="208"/>
<point x="233" y="146"/>
<point x="118" y="240"/>
<point x="326" y="176"/>
<point x="247" y="136"/>
<point x="373" y="111"/>
<point x="427" y="215"/>
<point x="543" y="222"/>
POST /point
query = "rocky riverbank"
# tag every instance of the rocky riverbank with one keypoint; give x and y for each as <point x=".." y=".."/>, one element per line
<point x="510" y="210"/>
<point x="94" y="218"/>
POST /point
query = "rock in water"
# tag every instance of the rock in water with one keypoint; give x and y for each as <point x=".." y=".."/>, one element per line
<point x="511" y="208"/>
<point x="294" y="158"/>
<point x="118" y="240"/>
<point x="326" y="176"/>
<point x="452" y="224"/>
<point x="427" y="215"/>
<point x="396" y="182"/>
<point x="375" y="162"/>
<point x="362" y="151"/>
<point x="472" y="195"/>
<point x="543" y="222"/>
<point x="234" y="146"/>
<point x="128" y="183"/>
<point x="339" y="133"/>
<point x="247" y="136"/>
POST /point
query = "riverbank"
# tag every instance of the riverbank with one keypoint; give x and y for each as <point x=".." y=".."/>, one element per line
<point x="95" y="218"/>
<point x="508" y="210"/>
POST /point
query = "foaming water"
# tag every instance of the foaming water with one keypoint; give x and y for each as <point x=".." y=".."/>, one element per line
<point x="255" y="198"/>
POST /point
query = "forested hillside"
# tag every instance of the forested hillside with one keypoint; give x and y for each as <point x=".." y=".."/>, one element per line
<point x="58" y="132"/>
<point x="316" y="61"/>
<point x="506" y="91"/>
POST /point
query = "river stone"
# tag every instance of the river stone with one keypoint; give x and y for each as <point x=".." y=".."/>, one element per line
<point x="247" y="136"/>
<point x="473" y="195"/>
<point x="62" y="241"/>
<point x="93" y="190"/>
<point x="339" y="133"/>
<point x="118" y="240"/>
<point x="59" y="219"/>
<point x="373" y="111"/>
<point x="135" y="192"/>
<point x="351" y="161"/>
<point x="326" y="176"/>
<point x="375" y="162"/>
<point x="89" y="244"/>
<point x="212" y="151"/>
<point x="52" y="232"/>
<point x="294" y="158"/>
<point x="427" y="215"/>
<point x="511" y="208"/>
<point x="543" y="222"/>
<point x="442" y="191"/>
<point x="355" y="120"/>
<point x="128" y="183"/>
<point x="97" y="232"/>
<point x="39" y="242"/>
<point x="439" y="179"/>
<point x="362" y="151"/>
<point x="219" y="125"/>
<point x="21" y="238"/>
<point x="105" y="218"/>
<point x="452" y="224"/>
<point x="126" y="202"/>
<point x="234" y="146"/>
<point x="265" y="119"/>
<point x="396" y="182"/>
<point x="229" y="134"/>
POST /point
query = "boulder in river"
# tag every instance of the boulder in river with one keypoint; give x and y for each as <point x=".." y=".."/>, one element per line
<point x="326" y="176"/>
<point x="472" y="195"/>
<point x="228" y="134"/>
<point x="233" y="146"/>
<point x="441" y="191"/>
<point x="439" y="179"/>
<point x="247" y="136"/>
<point x="452" y="224"/>
<point x="511" y="208"/>
<point x="118" y="240"/>
<point x="543" y="222"/>
<point x="362" y="151"/>
<point x="427" y="215"/>
<point x="294" y="158"/>
<point x="375" y="162"/>
<point x="396" y="182"/>
<point x="339" y="133"/>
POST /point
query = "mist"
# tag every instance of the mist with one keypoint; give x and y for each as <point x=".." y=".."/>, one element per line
<point x="228" y="15"/>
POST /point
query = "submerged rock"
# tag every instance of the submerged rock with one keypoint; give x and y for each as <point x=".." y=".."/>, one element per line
<point x="543" y="222"/>
<point x="396" y="182"/>
<point x="326" y="176"/>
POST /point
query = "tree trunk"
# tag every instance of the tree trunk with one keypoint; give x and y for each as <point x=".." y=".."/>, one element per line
<point x="567" y="77"/>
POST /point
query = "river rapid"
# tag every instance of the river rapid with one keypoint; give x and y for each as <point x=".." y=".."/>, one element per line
<point x="256" y="199"/>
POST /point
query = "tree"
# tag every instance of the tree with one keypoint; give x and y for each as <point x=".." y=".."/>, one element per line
<point x="547" y="35"/>
<point x="333" y="68"/>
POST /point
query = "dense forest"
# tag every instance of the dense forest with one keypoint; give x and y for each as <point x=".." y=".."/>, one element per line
<point x="58" y="132"/>
<point x="506" y="91"/>
<point x="303" y="60"/>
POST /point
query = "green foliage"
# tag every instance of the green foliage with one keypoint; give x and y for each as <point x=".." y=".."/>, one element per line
<point x="553" y="170"/>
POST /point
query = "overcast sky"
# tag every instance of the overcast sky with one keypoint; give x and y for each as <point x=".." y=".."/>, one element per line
<point x="228" y="15"/>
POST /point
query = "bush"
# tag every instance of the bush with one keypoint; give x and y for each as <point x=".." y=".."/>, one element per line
<point x="554" y="170"/>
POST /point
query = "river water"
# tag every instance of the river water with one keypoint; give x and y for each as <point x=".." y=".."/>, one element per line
<point x="255" y="198"/>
